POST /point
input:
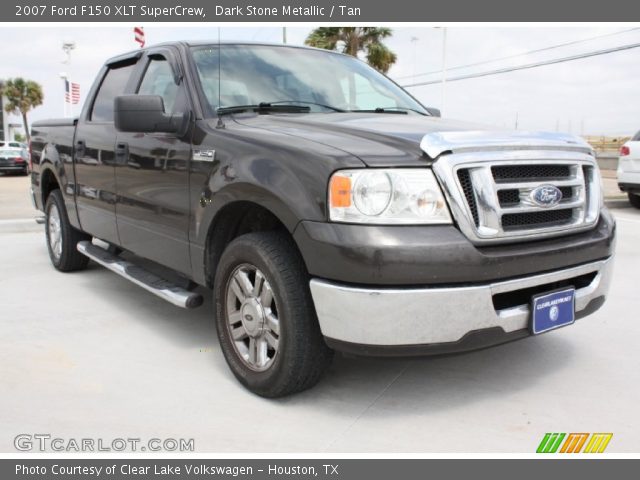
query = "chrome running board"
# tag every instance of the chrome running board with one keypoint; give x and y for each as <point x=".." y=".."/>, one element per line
<point x="149" y="281"/>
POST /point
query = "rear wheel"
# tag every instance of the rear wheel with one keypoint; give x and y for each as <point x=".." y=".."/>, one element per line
<point x="634" y="199"/>
<point x="265" y="318"/>
<point x="62" y="238"/>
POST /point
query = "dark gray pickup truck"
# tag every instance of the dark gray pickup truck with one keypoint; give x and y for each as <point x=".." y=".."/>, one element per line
<point x="325" y="206"/>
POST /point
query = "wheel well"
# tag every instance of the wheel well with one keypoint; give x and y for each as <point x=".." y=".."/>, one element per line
<point x="48" y="183"/>
<point x="232" y="221"/>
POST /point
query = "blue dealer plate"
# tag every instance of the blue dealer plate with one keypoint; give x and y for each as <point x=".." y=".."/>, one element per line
<point x="553" y="310"/>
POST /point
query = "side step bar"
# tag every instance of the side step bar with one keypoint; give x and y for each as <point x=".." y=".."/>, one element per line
<point x="141" y="277"/>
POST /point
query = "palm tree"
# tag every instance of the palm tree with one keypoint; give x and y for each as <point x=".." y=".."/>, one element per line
<point x="22" y="95"/>
<point x="356" y="39"/>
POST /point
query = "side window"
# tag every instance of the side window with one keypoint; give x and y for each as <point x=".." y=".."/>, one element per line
<point x="113" y="84"/>
<point x="636" y="138"/>
<point x="158" y="80"/>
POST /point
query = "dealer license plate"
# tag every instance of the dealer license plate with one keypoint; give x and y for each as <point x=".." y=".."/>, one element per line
<point x="552" y="310"/>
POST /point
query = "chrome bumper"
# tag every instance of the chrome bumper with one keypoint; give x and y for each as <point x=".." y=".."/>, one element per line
<point x="416" y="316"/>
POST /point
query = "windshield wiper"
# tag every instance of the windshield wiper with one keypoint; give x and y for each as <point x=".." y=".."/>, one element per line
<point x="396" y="110"/>
<point x="328" y="107"/>
<point x="263" y="107"/>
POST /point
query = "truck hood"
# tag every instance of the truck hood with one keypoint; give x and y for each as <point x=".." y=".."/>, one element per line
<point x="394" y="140"/>
<point x="378" y="139"/>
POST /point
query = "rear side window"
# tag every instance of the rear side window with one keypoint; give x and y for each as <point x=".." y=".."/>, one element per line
<point x="159" y="80"/>
<point x="113" y="85"/>
<point x="636" y="137"/>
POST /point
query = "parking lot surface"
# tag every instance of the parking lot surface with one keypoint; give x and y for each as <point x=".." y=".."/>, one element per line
<point x="88" y="354"/>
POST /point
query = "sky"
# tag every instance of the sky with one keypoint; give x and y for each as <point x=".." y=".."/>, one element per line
<point x="593" y="96"/>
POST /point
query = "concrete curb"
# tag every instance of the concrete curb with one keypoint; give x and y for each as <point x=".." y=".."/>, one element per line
<point x="20" y="225"/>
<point x="617" y="202"/>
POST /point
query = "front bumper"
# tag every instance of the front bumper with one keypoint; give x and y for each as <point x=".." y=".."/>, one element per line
<point x="20" y="167"/>
<point x="397" y="321"/>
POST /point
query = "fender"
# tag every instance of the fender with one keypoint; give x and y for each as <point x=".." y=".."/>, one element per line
<point x="52" y="161"/>
<point x="210" y="209"/>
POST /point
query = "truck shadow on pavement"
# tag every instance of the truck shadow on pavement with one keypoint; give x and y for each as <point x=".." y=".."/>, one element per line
<point x="439" y="382"/>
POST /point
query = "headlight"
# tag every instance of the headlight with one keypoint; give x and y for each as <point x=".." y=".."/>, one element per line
<point x="406" y="196"/>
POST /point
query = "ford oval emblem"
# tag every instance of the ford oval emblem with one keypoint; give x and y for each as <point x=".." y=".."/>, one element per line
<point x="546" y="196"/>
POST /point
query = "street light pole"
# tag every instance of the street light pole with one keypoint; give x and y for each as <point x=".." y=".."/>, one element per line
<point x="444" y="68"/>
<point x="67" y="47"/>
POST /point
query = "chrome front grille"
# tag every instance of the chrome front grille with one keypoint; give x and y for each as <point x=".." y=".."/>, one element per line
<point x="490" y="189"/>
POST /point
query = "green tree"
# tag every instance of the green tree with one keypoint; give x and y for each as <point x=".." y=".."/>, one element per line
<point x="355" y="40"/>
<point x="22" y="95"/>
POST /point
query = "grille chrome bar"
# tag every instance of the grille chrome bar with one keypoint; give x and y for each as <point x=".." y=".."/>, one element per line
<point x="468" y="179"/>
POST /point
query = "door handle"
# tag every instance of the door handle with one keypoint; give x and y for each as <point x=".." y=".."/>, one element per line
<point x="122" y="153"/>
<point x="80" y="148"/>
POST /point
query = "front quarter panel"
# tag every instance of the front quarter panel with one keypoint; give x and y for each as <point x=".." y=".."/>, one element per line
<point x="286" y="175"/>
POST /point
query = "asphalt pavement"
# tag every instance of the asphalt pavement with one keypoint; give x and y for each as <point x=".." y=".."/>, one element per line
<point x="89" y="355"/>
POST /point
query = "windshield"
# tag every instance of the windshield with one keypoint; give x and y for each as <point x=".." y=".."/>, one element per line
<point x="323" y="81"/>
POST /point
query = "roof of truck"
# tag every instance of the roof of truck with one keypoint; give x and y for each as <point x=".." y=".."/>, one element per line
<point x="202" y="43"/>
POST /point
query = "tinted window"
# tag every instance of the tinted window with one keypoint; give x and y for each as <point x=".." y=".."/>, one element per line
<point x="636" y="137"/>
<point x="158" y="80"/>
<point x="112" y="86"/>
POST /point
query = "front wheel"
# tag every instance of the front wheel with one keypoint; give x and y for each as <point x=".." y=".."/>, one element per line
<point x="62" y="238"/>
<point x="266" y="321"/>
<point x="634" y="200"/>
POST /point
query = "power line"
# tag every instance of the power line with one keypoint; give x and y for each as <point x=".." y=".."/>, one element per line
<point x="529" y="65"/>
<point x="552" y="47"/>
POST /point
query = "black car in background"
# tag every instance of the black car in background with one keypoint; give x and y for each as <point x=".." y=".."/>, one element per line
<point x="14" y="160"/>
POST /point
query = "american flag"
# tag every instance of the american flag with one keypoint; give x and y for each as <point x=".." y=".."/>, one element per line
<point x="71" y="92"/>
<point x="139" y="35"/>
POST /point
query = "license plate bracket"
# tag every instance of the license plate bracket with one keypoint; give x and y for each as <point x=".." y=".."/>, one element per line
<point x="551" y="310"/>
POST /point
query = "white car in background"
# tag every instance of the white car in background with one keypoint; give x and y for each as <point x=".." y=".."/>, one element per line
<point x="12" y="144"/>
<point x="629" y="170"/>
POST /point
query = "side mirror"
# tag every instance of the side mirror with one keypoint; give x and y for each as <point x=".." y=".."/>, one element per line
<point x="435" y="112"/>
<point x="145" y="113"/>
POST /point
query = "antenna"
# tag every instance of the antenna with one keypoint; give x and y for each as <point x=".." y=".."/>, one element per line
<point x="220" y="124"/>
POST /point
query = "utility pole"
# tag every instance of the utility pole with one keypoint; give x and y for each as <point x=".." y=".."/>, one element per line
<point x="516" y="120"/>
<point x="64" y="77"/>
<point x="284" y="35"/>
<point x="414" y="40"/>
<point x="444" y="66"/>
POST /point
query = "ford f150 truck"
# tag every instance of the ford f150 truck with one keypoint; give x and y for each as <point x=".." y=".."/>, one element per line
<point x="324" y="205"/>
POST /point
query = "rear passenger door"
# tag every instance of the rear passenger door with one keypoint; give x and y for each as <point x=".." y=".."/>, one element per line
<point x="94" y="154"/>
<point x="152" y="172"/>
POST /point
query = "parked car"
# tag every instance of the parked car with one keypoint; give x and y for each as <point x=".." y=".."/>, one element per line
<point x="324" y="205"/>
<point x="629" y="169"/>
<point x="14" y="160"/>
<point x="12" y="144"/>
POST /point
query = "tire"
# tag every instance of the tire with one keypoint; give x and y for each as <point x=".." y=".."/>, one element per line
<point x="279" y="313"/>
<point x="62" y="238"/>
<point x="634" y="199"/>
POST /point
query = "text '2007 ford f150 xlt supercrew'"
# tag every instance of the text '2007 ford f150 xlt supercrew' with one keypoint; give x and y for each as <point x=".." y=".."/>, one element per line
<point x="325" y="206"/>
